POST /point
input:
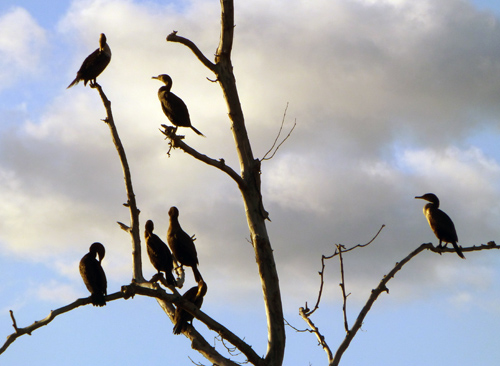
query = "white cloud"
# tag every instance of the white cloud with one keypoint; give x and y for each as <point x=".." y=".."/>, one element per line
<point x="22" y="42"/>
<point x="358" y="83"/>
<point x="58" y="293"/>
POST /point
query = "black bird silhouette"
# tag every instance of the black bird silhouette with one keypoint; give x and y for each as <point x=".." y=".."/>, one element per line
<point x="182" y="244"/>
<point x="440" y="222"/>
<point x="159" y="254"/>
<point x="94" y="64"/>
<point x="93" y="275"/>
<point x="194" y="295"/>
<point x="173" y="106"/>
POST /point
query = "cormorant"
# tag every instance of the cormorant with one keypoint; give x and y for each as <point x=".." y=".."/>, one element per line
<point x="182" y="244"/>
<point x="94" y="64"/>
<point x="93" y="275"/>
<point x="159" y="254"/>
<point x="440" y="222"/>
<point x="194" y="295"/>
<point x="173" y="106"/>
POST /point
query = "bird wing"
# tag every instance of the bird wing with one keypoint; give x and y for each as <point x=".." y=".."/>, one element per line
<point x="443" y="226"/>
<point x="159" y="254"/>
<point x="93" y="275"/>
<point x="176" y="110"/>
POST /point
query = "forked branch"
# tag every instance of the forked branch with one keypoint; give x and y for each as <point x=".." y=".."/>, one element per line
<point x="382" y="287"/>
<point x="321" y="273"/>
<point x="270" y="151"/>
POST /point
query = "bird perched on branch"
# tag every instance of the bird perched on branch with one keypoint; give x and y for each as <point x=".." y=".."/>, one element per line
<point x="194" y="295"/>
<point x="93" y="275"/>
<point x="158" y="253"/>
<point x="440" y="222"/>
<point x="182" y="244"/>
<point x="173" y="106"/>
<point x="94" y="64"/>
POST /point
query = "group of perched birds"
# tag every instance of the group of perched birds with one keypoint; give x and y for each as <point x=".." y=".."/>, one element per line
<point x="173" y="106"/>
<point x="182" y="252"/>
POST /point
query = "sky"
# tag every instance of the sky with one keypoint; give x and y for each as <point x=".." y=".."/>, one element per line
<point x="392" y="99"/>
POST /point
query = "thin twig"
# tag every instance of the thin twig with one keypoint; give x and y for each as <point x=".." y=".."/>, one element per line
<point x="358" y="245"/>
<point x="297" y="329"/>
<point x="342" y="286"/>
<point x="322" y="272"/>
<point x="14" y="324"/>
<point x="277" y="137"/>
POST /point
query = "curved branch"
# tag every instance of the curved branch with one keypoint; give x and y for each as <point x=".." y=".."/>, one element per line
<point x="52" y="315"/>
<point x="131" y="202"/>
<point x="383" y="288"/>
<point x="176" y="142"/>
<point x="173" y="37"/>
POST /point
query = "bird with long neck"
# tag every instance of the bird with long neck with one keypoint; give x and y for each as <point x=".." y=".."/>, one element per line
<point x="158" y="253"/>
<point x="440" y="222"/>
<point x="93" y="275"/>
<point x="94" y="64"/>
<point x="173" y="106"/>
<point x="194" y="295"/>
<point x="182" y="244"/>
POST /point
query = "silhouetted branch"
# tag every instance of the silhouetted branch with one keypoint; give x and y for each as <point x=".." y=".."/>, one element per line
<point x="342" y="286"/>
<point x="160" y="294"/>
<point x="176" y="142"/>
<point x="52" y="315"/>
<point x="382" y="287"/>
<point x="131" y="202"/>
<point x="173" y="37"/>
<point x="315" y="330"/>
<point x="277" y="137"/>
<point x="321" y="273"/>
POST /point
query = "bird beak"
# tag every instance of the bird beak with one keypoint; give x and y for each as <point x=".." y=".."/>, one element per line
<point x="419" y="197"/>
<point x="154" y="77"/>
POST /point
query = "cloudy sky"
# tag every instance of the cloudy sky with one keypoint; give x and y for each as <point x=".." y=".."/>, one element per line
<point x="392" y="99"/>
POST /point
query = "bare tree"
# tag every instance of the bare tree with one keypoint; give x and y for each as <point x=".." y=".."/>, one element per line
<point x="249" y="183"/>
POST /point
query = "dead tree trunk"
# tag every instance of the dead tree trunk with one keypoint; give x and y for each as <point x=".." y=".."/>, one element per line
<point x="249" y="183"/>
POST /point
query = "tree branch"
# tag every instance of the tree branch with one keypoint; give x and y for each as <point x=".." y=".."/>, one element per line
<point x="52" y="315"/>
<point x="342" y="286"/>
<point x="176" y="142"/>
<point x="173" y="37"/>
<point x="277" y="137"/>
<point x="131" y="202"/>
<point x="315" y="330"/>
<point x="321" y="273"/>
<point x="382" y="287"/>
<point x="178" y="300"/>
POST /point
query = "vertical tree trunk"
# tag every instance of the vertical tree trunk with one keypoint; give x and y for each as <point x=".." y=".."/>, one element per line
<point x="250" y="172"/>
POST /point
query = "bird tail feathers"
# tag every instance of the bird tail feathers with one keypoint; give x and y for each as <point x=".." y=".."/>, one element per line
<point x="458" y="250"/>
<point x="198" y="132"/>
<point x="73" y="83"/>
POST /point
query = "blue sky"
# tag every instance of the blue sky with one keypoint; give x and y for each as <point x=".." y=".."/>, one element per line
<point x="392" y="99"/>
